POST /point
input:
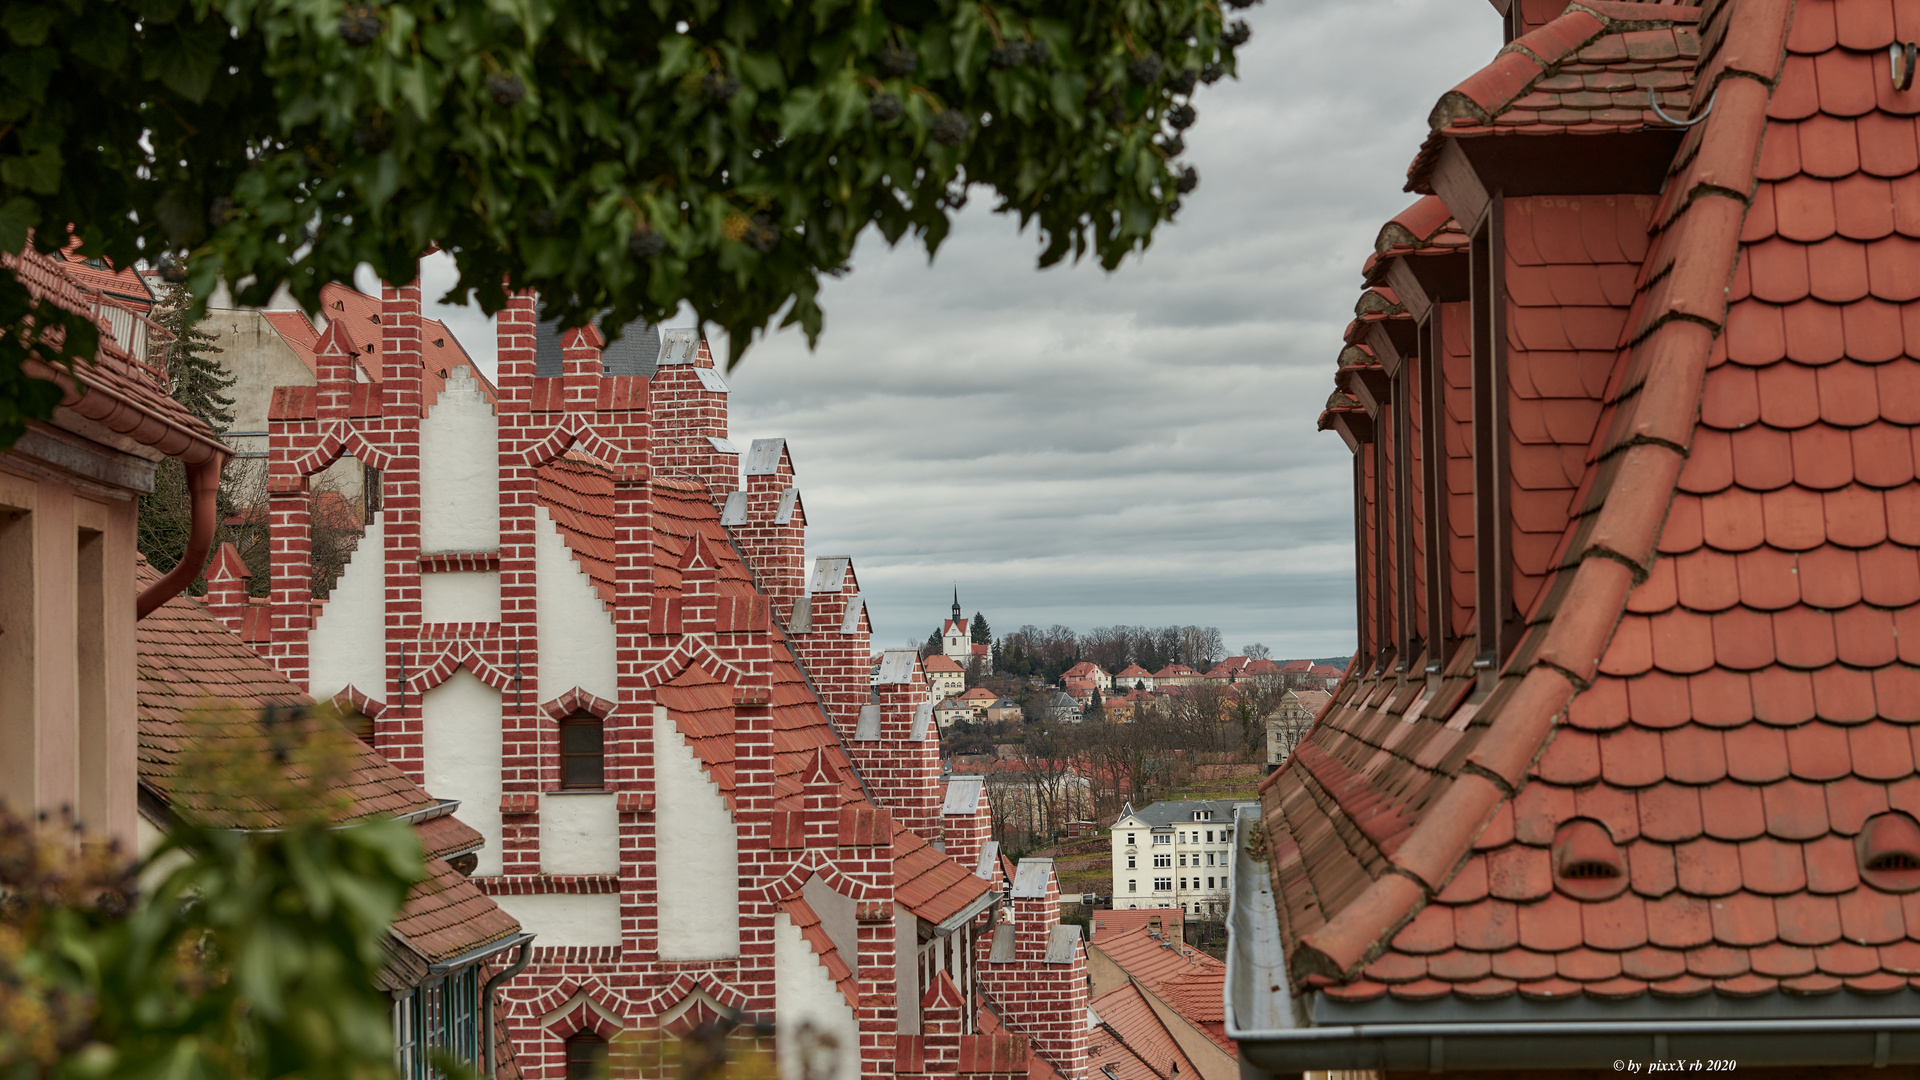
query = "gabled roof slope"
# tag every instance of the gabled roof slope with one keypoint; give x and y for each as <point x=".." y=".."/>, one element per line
<point x="190" y="664"/>
<point x="1714" y="672"/>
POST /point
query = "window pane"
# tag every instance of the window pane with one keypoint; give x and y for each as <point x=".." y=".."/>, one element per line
<point x="580" y="737"/>
<point x="582" y="771"/>
<point x="586" y="1056"/>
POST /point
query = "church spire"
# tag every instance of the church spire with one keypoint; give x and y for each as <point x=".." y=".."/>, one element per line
<point x="956" y="601"/>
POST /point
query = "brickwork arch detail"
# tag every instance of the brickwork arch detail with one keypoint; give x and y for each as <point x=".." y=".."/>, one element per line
<point x="690" y="651"/>
<point x="455" y="656"/>
<point x="350" y="698"/>
<point x="814" y="862"/>
<point x="585" y="1009"/>
<point x="686" y="991"/>
<point x="338" y="438"/>
<point x="576" y="701"/>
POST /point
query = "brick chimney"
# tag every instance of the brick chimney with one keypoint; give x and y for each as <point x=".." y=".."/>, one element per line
<point x="769" y="524"/>
<point x="966" y="822"/>
<point x="227" y="578"/>
<point x="1035" y="971"/>
<point x="690" y="416"/>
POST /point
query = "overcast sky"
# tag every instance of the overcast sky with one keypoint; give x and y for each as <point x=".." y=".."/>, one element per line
<point x="1078" y="447"/>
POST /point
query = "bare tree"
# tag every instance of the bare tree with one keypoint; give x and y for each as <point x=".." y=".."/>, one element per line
<point x="1256" y="651"/>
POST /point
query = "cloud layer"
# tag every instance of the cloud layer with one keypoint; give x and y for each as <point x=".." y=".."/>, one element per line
<point x="1086" y="448"/>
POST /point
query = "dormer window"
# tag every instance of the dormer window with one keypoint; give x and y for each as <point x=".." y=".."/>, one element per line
<point x="1889" y="851"/>
<point x="1587" y="864"/>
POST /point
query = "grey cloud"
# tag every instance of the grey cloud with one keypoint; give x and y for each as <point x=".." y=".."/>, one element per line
<point x="1088" y="448"/>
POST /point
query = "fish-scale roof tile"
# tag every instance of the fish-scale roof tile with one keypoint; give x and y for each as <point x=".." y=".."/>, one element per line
<point x="1756" y="702"/>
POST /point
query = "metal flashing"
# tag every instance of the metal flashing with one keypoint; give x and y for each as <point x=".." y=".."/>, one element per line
<point x="1063" y="941"/>
<point x="989" y="858"/>
<point x="922" y="721"/>
<point x="850" y="622"/>
<point x="763" y="456"/>
<point x="868" y="728"/>
<point x="735" y="512"/>
<point x="896" y="667"/>
<point x="963" y="795"/>
<point x="829" y="575"/>
<point x="801" y="622"/>
<point x="789" y="499"/>
<point x="722" y="446"/>
<point x="679" y="346"/>
<point x="1030" y="878"/>
<point x="1002" y="945"/>
<point x="711" y="380"/>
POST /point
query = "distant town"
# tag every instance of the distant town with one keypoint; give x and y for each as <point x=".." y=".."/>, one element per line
<point x="1075" y="735"/>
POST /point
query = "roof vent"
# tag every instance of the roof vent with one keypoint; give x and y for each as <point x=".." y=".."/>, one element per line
<point x="1889" y="848"/>
<point x="1587" y="864"/>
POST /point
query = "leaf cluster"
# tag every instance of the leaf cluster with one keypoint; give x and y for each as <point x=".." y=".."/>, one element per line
<point x="254" y="950"/>
<point x="619" y="157"/>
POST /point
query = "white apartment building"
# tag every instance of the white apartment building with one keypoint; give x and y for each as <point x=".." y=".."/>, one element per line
<point x="1175" y="854"/>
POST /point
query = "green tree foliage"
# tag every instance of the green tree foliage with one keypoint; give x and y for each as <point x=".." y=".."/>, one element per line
<point x="248" y="954"/>
<point x="195" y="380"/>
<point x="617" y="156"/>
<point x="934" y="645"/>
<point x="982" y="635"/>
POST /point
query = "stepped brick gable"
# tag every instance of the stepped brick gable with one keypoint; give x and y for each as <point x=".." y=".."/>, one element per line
<point x="693" y="782"/>
<point x="1630" y="734"/>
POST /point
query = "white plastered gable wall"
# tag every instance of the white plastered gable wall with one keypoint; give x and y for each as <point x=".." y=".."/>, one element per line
<point x="805" y="997"/>
<point x="348" y="643"/>
<point x="575" y="628"/>
<point x="697" y="849"/>
<point x="460" y="499"/>
<point x="461" y="755"/>
<point x="579" y="833"/>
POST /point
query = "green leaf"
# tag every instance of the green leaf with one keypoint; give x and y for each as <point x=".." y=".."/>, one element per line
<point x="18" y="215"/>
<point x="27" y="24"/>
<point x="37" y="169"/>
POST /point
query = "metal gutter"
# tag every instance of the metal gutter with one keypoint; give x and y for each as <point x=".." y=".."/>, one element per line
<point x="474" y="956"/>
<point x="965" y="915"/>
<point x="1276" y="1039"/>
<point x="488" y="1067"/>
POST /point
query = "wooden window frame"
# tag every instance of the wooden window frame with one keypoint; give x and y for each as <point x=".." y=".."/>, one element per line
<point x="581" y="720"/>
<point x="1433" y="469"/>
<point x="594" y="1060"/>
<point x="1492" y="450"/>
<point x="1410" y="638"/>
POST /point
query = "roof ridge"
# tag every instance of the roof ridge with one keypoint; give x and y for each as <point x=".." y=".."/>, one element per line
<point x="1626" y="528"/>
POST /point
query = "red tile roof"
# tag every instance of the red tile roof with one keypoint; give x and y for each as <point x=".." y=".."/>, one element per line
<point x="1132" y="1043"/>
<point x="939" y="662"/>
<point x="1120" y="921"/>
<point x="807" y="921"/>
<point x="440" y="351"/>
<point x="1588" y="72"/>
<point x="932" y="886"/>
<point x="1713" y="688"/>
<point x="119" y="390"/>
<point x="191" y="665"/>
<point x="1189" y="981"/>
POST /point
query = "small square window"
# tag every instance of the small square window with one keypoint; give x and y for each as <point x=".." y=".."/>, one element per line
<point x="1132" y="885"/>
<point x="1131" y="862"/>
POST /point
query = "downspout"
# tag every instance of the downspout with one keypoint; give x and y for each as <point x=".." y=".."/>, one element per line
<point x="486" y="1004"/>
<point x="203" y="485"/>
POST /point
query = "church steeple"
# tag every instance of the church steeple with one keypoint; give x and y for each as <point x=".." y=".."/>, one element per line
<point x="956" y="601"/>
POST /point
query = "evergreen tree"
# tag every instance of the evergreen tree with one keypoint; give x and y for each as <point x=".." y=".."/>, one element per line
<point x="195" y="380"/>
<point x="934" y="645"/>
<point x="998" y="660"/>
<point x="1094" y="710"/>
<point x="981" y="635"/>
